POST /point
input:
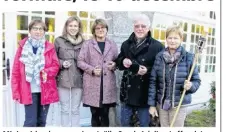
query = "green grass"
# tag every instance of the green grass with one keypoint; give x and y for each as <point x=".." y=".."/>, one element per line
<point x="201" y="118"/>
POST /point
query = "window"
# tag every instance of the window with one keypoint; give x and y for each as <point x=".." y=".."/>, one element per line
<point x="156" y="34"/>
<point x="20" y="36"/>
<point x="210" y="51"/>
<point x="3" y="29"/>
<point x="36" y="12"/>
<point x="185" y="33"/>
<point x="22" y="22"/>
<point x="24" y="18"/>
<point x="3" y="21"/>
<point x="159" y="33"/>
<point x="212" y="15"/>
<point x="3" y="50"/>
<point x="83" y="14"/>
<point x="72" y="13"/>
<point x="36" y="18"/>
<point x="49" y="12"/>
<point x="84" y="24"/>
<point x="197" y="30"/>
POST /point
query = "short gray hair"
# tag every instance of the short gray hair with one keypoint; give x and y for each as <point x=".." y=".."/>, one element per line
<point x="96" y="22"/>
<point x="142" y="17"/>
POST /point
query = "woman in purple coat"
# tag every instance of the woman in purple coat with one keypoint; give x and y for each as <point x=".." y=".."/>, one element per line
<point x="96" y="59"/>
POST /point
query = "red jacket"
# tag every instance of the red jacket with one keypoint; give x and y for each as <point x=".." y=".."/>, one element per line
<point x="21" y="88"/>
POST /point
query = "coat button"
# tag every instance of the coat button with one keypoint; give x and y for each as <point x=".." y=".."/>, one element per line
<point x="104" y="61"/>
<point x="105" y="74"/>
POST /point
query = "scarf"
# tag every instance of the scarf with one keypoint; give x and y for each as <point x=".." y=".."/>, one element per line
<point x="171" y="59"/>
<point x="34" y="63"/>
<point x="139" y="42"/>
<point x="73" y="40"/>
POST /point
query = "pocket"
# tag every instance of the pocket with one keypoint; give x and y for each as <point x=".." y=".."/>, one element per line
<point x="167" y="104"/>
<point x="64" y="74"/>
<point x="63" y="78"/>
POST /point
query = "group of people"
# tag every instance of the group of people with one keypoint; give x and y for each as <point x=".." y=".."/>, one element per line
<point x="74" y="70"/>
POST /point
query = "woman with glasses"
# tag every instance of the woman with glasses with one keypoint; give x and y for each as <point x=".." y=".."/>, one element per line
<point x="69" y="79"/>
<point x="96" y="59"/>
<point x="33" y="75"/>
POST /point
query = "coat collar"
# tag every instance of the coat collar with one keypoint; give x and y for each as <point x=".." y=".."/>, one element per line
<point x="132" y="37"/>
<point x="107" y="46"/>
<point x="183" y="53"/>
<point x="132" y="42"/>
<point x="48" y="46"/>
<point x="75" y="46"/>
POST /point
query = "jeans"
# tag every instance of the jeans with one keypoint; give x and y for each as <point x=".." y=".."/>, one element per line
<point x="127" y="112"/>
<point x="35" y="113"/>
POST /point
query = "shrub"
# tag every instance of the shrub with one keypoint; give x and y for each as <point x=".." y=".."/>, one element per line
<point x="206" y="117"/>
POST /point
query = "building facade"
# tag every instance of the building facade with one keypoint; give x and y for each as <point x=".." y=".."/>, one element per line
<point x="15" y="27"/>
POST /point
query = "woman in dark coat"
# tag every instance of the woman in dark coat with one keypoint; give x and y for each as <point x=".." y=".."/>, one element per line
<point x="168" y="80"/>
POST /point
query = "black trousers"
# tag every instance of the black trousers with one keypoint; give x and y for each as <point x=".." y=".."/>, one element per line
<point x="35" y="113"/>
<point x="100" y="116"/>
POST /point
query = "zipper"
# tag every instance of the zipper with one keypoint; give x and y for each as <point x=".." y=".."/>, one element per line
<point x="164" y="88"/>
<point x="174" y="82"/>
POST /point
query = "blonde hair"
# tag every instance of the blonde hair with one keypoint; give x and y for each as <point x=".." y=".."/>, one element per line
<point x="69" y="20"/>
<point x="174" y="29"/>
<point x="100" y="22"/>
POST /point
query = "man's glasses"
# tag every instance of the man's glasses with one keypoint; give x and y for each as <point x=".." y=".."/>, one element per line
<point x="138" y="26"/>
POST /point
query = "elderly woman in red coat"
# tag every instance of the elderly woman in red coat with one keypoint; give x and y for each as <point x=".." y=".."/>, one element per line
<point x="33" y="75"/>
<point x="96" y="59"/>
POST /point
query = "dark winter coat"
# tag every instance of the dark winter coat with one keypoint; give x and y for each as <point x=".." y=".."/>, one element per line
<point x="157" y="87"/>
<point x="134" y="87"/>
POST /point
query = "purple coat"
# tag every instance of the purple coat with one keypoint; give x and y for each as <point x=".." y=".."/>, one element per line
<point x="90" y="56"/>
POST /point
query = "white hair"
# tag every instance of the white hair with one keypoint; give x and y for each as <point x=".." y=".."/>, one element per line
<point x="142" y="17"/>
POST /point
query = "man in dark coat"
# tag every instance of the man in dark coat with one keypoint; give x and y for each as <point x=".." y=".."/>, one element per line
<point x="136" y="59"/>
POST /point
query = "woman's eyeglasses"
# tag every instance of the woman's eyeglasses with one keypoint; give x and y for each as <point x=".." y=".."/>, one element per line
<point x="100" y="28"/>
<point x="37" y="29"/>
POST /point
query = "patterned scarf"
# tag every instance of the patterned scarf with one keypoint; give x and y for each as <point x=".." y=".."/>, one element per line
<point x="171" y="59"/>
<point x="34" y="63"/>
